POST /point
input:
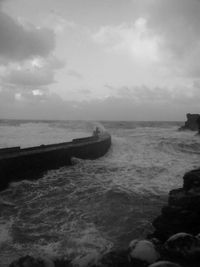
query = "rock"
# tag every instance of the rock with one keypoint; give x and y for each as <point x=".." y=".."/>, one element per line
<point x="182" y="212"/>
<point x="182" y="244"/>
<point x="198" y="236"/>
<point x="118" y="258"/>
<point x="184" y="249"/>
<point x="143" y="250"/>
<point x="164" y="264"/>
<point x="192" y="180"/>
<point x="191" y="123"/>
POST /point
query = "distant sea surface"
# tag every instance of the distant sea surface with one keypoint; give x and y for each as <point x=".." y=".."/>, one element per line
<point x="93" y="206"/>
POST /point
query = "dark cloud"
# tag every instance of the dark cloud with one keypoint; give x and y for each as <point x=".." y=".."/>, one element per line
<point x="30" y="74"/>
<point x="177" y="23"/>
<point x="29" y="78"/>
<point x="19" y="43"/>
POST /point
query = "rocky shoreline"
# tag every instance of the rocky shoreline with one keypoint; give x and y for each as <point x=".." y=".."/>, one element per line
<point x="174" y="243"/>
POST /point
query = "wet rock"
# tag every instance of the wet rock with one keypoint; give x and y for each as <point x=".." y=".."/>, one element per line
<point x="144" y="251"/>
<point x="118" y="258"/>
<point x="182" y="212"/>
<point x="164" y="264"/>
<point x="182" y="245"/>
<point x="192" y="180"/>
<point x="191" y="123"/>
<point x="198" y="236"/>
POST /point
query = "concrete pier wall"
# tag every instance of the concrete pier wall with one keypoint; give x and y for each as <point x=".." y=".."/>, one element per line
<point x="30" y="163"/>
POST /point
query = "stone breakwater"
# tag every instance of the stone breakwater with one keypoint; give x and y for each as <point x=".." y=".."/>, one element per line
<point x="30" y="163"/>
<point x="174" y="243"/>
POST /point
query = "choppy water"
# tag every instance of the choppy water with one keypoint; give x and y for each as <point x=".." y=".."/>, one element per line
<point x="94" y="205"/>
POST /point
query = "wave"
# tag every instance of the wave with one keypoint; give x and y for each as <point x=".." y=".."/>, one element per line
<point x="175" y="146"/>
<point x="91" y="206"/>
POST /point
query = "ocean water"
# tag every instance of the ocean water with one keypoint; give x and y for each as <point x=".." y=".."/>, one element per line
<point x="82" y="210"/>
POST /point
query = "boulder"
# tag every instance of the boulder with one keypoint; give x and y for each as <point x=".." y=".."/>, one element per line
<point x="182" y="245"/>
<point x="182" y="212"/>
<point x="143" y="250"/>
<point x="118" y="258"/>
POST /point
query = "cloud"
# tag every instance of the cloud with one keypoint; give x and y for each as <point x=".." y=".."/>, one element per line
<point x="74" y="74"/>
<point x="134" y="38"/>
<point x="135" y="103"/>
<point x="33" y="73"/>
<point x="85" y="91"/>
<point x="26" y="56"/>
<point x="165" y="36"/>
<point x="145" y="95"/>
<point x="18" y="43"/>
<point x="177" y="23"/>
<point x="29" y="77"/>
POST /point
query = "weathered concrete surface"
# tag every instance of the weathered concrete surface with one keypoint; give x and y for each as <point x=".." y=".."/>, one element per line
<point x="29" y="163"/>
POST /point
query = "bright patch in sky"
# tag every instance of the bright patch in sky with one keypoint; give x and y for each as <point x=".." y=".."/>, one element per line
<point x="37" y="63"/>
<point x="37" y="92"/>
<point x="144" y="46"/>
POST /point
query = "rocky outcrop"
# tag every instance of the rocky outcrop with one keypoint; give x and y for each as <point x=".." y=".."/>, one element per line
<point x="192" y="123"/>
<point x="182" y="214"/>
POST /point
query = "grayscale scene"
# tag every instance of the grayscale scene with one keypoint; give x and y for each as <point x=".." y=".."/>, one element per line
<point x="99" y="133"/>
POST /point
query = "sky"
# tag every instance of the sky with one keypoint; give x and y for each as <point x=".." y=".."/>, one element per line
<point x="99" y="59"/>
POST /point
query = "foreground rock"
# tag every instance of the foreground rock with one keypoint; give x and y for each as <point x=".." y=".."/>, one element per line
<point x="143" y="250"/>
<point x="182" y="214"/>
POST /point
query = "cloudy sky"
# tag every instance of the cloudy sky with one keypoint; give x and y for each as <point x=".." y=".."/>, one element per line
<point x="99" y="59"/>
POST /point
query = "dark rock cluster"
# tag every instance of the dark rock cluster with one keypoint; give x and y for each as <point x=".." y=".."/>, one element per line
<point x="192" y="123"/>
<point x="175" y="242"/>
<point x="182" y="214"/>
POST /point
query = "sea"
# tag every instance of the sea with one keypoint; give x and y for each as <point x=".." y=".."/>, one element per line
<point x="93" y="206"/>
